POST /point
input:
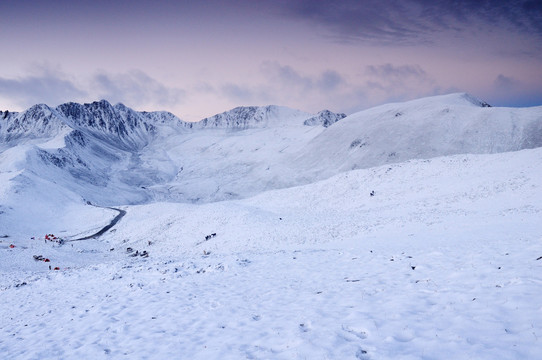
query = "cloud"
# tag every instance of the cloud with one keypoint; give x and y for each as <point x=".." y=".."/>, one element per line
<point x="397" y="81"/>
<point x="282" y="84"/>
<point x="410" y="22"/>
<point x="135" y="88"/>
<point x="384" y="83"/>
<point x="508" y="91"/>
<point x="245" y="94"/>
<point x="330" y="80"/>
<point x="43" y="85"/>
<point x="503" y="82"/>
<point x="376" y="84"/>
<point x="287" y="77"/>
<point x="389" y="71"/>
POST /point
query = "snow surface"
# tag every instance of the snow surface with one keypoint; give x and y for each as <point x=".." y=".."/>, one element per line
<point x="440" y="263"/>
<point x="250" y="256"/>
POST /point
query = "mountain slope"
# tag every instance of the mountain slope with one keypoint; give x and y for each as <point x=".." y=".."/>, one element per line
<point x="38" y="122"/>
<point x="114" y="155"/>
<point x="420" y="129"/>
<point x="441" y="260"/>
<point x="111" y="155"/>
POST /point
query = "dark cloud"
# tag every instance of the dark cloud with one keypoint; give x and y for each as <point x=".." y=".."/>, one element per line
<point x="45" y="86"/>
<point x="410" y="22"/>
<point x="135" y="88"/>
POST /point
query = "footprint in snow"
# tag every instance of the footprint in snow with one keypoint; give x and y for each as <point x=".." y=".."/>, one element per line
<point x="356" y="331"/>
<point x="243" y="262"/>
<point x="354" y="334"/>
<point x="305" y="327"/>
<point x="362" y="354"/>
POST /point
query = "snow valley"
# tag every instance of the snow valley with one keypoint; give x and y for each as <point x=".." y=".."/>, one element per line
<point x="409" y="230"/>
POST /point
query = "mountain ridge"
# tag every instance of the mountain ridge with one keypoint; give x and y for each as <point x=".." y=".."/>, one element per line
<point x="111" y="154"/>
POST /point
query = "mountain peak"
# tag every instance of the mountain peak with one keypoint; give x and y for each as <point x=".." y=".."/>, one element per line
<point x="119" y="124"/>
<point x="36" y="122"/>
<point x="459" y="99"/>
<point x="473" y="100"/>
<point x="325" y="118"/>
<point x="245" y="117"/>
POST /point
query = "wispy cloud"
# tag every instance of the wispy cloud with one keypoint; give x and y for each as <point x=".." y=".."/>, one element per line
<point x="401" y="72"/>
<point x="503" y="82"/>
<point x="378" y="83"/>
<point x="246" y="94"/>
<point x="286" y="76"/>
<point x="43" y="85"/>
<point x="135" y="88"/>
<point x="410" y="22"/>
<point x="509" y="91"/>
<point x="398" y="82"/>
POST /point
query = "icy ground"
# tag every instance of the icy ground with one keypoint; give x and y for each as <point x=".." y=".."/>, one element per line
<point x="443" y="262"/>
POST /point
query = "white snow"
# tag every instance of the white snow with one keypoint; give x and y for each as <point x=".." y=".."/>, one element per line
<point x="444" y="261"/>
<point x="440" y="263"/>
<point x="56" y="142"/>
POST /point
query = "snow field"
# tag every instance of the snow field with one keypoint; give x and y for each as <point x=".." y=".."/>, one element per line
<point x="310" y="303"/>
<point x="440" y="263"/>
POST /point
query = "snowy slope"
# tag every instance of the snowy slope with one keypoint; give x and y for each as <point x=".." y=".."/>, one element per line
<point x="111" y="155"/>
<point x="84" y="148"/>
<point x="420" y="129"/>
<point x="242" y="118"/>
<point x="114" y="155"/>
<point x="38" y="122"/>
<point x="237" y="160"/>
<point x="440" y="263"/>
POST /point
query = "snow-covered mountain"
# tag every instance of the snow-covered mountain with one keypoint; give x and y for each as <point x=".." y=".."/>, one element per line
<point x="444" y="261"/>
<point x="325" y="118"/>
<point x="250" y="117"/>
<point x="112" y="155"/>
<point x="38" y="122"/>
<point x="358" y="237"/>
<point x="420" y="129"/>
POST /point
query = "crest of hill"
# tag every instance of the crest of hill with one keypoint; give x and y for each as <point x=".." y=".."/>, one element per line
<point x="39" y="121"/>
<point x="424" y="128"/>
<point x="251" y="117"/>
<point x="119" y="125"/>
<point x="114" y="155"/>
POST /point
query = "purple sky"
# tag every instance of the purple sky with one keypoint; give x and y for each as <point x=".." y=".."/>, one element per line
<point x="198" y="58"/>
